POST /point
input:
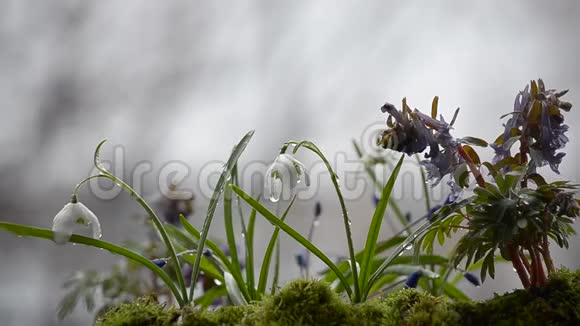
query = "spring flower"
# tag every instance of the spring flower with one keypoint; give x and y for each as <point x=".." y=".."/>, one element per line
<point x="283" y="176"/>
<point x="71" y="215"/>
<point x="413" y="131"/>
<point x="407" y="135"/>
<point x="537" y="115"/>
<point x="472" y="279"/>
<point x="413" y="279"/>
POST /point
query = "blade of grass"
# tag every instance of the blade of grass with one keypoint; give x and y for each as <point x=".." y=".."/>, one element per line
<point x="381" y="247"/>
<point x="205" y="300"/>
<point x="28" y="231"/>
<point x="291" y="232"/>
<point x="276" y="269"/>
<point x="410" y="239"/>
<point x="375" y="227"/>
<point x="248" y="239"/>
<point x="215" y="250"/>
<point x="250" y="277"/>
<point x="263" y="279"/>
<point x="392" y="204"/>
<point x="230" y="236"/>
<point x="226" y="174"/>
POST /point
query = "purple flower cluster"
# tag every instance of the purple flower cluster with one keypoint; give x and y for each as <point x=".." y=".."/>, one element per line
<point x="413" y="131"/>
<point x="538" y="123"/>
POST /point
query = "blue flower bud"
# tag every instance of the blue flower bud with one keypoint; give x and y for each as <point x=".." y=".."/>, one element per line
<point x="472" y="279"/>
<point x="160" y="262"/>
<point x="317" y="209"/>
<point x="413" y="279"/>
<point x="376" y="199"/>
<point x="301" y="260"/>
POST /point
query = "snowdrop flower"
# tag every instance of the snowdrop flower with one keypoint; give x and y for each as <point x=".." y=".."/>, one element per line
<point x="283" y="176"/>
<point x="71" y="215"/>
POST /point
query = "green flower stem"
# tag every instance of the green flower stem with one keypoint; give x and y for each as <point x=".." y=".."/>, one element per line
<point x="152" y="215"/>
<point x="311" y="146"/>
<point x="160" y="228"/>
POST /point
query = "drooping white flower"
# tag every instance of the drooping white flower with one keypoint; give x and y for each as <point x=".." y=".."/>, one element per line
<point x="283" y="176"/>
<point x="71" y="215"/>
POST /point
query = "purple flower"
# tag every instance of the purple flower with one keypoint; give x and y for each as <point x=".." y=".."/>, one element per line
<point x="500" y="153"/>
<point x="537" y="117"/>
<point x="472" y="279"/>
<point x="407" y="135"/>
<point x="551" y="138"/>
<point x="413" y="279"/>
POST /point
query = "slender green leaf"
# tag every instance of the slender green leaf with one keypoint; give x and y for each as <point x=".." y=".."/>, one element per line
<point x="230" y="236"/>
<point x="263" y="279"/>
<point x="215" y="250"/>
<point x="28" y="231"/>
<point x="226" y="174"/>
<point x="250" y="277"/>
<point x="291" y="232"/>
<point x="205" y="300"/>
<point x="376" y="222"/>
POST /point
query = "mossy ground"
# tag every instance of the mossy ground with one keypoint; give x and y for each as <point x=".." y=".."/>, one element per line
<point x="308" y="302"/>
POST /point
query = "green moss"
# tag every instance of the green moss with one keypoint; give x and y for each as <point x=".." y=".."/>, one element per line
<point x="143" y="312"/>
<point x="311" y="302"/>
<point x="411" y="307"/>
<point x="224" y="316"/>
<point x="302" y="302"/>
<point x="556" y="304"/>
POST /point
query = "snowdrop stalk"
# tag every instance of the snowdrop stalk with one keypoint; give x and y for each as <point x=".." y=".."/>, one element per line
<point x="334" y="178"/>
<point x="103" y="173"/>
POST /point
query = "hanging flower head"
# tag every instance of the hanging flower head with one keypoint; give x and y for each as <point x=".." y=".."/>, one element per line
<point x="413" y="131"/>
<point x="537" y="121"/>
<point x="283" y="176"/>
<point x="71" y="215"/>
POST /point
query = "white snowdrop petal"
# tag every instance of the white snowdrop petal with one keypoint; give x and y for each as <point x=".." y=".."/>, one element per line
<point x="69" y="217"/>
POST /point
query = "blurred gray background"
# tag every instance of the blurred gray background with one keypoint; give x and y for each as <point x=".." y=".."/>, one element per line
<point x="184" y="80"/>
